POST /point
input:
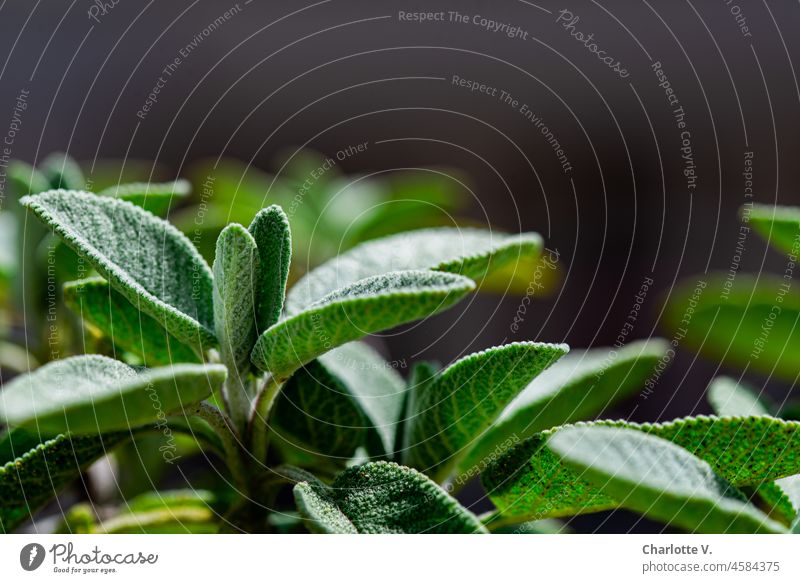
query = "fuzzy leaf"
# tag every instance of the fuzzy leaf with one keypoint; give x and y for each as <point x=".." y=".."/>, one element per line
<point x="39" y="472"/>
<point x="659" y="479"/>
<point x="62" y="171"/>
<point x="143" y="257"/>
<point x="779" y="225"/>
<point x="382" y="497"/>
<point x="365" y="307"/>
<point x="98" y="304"/>
<point x="335" y="403"/>
<point x="529" y="482"/>
<point x="578" y="386"/>
<point x="473" y="253"/>
<point x="154" y="197"/>
<point x="25" y="179"/>
<point x="755" y="324"/>
<point x="236" y="274"/>
<point x="449" y="413"/>
<point x="729" y="397"/>
<point x="91" y="394"/>
<point x="270" y="229"/>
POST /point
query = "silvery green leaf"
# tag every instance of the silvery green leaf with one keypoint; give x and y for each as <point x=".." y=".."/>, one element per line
<point x="270" y="229"/>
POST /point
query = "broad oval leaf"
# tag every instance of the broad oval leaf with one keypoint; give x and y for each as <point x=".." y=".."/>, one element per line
<point x="336" y="403"/>
<point x="37" y="473"/>
<point x="473" y="253"/>
<point x="582" y="384"/>
<point x="451" y="411"/>
<point x="270" y="229"/>
<point x="729" y="397"/>
<point x="779" y="225"/>
<point x="365" y="307"/>
<point x="750" y="322"/>
<point x="98" y="304"/>
<point x="382" y="497"/>
<point x="143" y="257"/>
<point x="154" y="197"/>
<point x="91" y="394"/>
<point x="530" y="482"/>
<point x="659" y="479"/>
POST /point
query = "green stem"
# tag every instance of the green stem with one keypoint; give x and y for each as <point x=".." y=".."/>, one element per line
<point x="231" y="442"/>
<point x="259" y="427"/>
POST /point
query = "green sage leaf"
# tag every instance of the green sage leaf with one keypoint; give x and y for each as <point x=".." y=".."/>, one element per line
<point x="659" y="479"/>
<point x="143" y="257"/>
<point x="450" y="412"/>
<point x="779" y="225"/>
<point x="154" y="197"/>
<point x="729" y="397"/>
<point x="270" y="229"/>
<point x="99" y="305"/>
<point x="91" y="394"/>
<point x="473" y="253"/>
<point x="382" y="497"/>
<point x="582" y="384"/>
<point x="365" y="307"/>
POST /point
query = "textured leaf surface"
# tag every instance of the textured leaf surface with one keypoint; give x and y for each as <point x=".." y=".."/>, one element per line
<point x="473" y="253"/>
<point x="155" y="197"/>
<point x="729" y="397"/>
<point x="779" y="225"/>
<point x="451" y="411"/>
<point x="270" y="229"/>
<point x="334" y="404"/>
<point x="38" y="474"/>
<point x="91" y="394"/>
<point x="365" y="307"/>
<point x="658" y="479"/>
<point x="143" y="257"/>
<point x="236" y="274"/>
<point x="755" y="325"/>
<point x="98" y="304"/>
<point x="529" y="481"/>
<point x="382" y="497"/>
<point x="580" y="385"/>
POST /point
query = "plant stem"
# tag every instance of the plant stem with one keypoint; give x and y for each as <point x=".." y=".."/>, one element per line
<point x="231" y="442"/>
<point x="259" y="427"/>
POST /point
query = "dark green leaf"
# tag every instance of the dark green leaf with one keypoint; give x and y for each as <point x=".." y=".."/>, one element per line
<point x="270" y="229"/>
<point x="98" y="304"/>
<point x="62" y="172"/>
<point x="143" y="257"/>
<point x="91" y="394"/>
<point x="449" y="413"/>
<point x="779" y="225"/>
<point x="382" y="497"/>
<point x="36" y="476"/>
<point x="658" y="479"/>
<point x="580" y="385"/>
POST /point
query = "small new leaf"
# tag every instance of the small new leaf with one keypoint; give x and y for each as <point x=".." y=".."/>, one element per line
<point x="270" y="229"/>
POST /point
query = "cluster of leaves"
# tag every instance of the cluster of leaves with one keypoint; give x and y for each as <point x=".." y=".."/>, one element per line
<point x="280" y="385"/>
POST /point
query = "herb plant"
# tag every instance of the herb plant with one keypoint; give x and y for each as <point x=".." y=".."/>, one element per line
<point x="315" y="430"/>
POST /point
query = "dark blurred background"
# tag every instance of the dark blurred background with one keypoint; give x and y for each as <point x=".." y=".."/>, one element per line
<point x="256" y="78"/>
